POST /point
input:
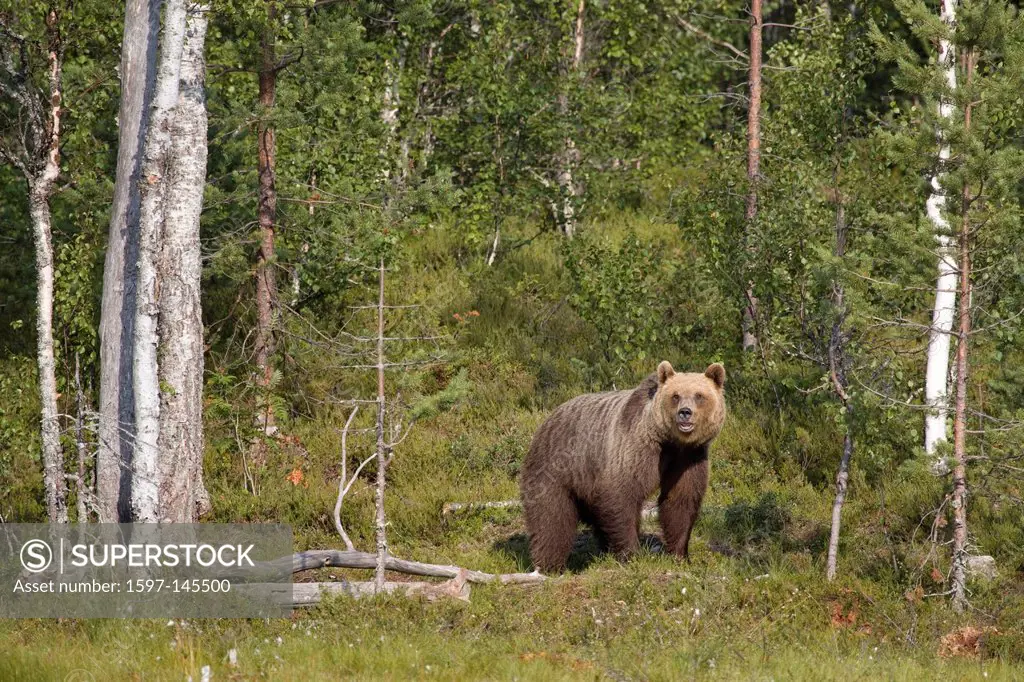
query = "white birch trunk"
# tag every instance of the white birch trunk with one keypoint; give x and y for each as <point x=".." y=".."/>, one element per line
<point x="390" y="103"/>
<point x="117" y="312"/>
<point x="567" y="185"/>
<point x="937" y="369"/>
<point x="145" y="494"/>
<point x="40" y="189"/>
<point x="842" y="484"/>
<point x="492" y="255"/>
<point x="53" y="454"/>
<point x="34" y="149"/>
<point x="182" y="495"/>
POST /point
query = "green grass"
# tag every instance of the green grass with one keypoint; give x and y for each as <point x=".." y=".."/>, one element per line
<point x="652" y="618"/>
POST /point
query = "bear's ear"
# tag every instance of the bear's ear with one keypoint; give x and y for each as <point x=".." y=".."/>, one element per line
<point x="716" y="373"/>
<point x="665" y="372"/>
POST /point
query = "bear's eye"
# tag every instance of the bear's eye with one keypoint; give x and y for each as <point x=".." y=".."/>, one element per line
<point x="699" y="397"/>
<point x="675" y="398"/>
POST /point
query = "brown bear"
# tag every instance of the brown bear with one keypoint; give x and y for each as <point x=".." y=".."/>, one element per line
<point x="598" y="457"/>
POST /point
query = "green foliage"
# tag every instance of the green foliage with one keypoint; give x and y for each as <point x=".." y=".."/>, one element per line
<point x="615" y="290"/>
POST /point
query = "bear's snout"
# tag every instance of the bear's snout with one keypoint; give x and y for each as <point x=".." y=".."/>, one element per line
<point x="684" y="419"/>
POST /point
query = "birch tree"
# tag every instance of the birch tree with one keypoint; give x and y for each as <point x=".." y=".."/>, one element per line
<point x="167" y="358"/>
<point x="183" y="496"/>
<point x="155" y="186"/>
<point x="390" y="106"/>
<point x="569" y="159"/>
<point x="34" y="149"/>
<point x="980" y="166"/>
<point x="117" y="311"/>
<point x="937" y="368"/>
<point x="838" y="363"/>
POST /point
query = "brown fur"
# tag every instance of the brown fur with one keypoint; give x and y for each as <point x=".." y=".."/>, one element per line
<point x="598" y="456"/>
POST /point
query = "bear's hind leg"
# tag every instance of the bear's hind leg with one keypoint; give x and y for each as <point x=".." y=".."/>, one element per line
<point x="551" y="522"/>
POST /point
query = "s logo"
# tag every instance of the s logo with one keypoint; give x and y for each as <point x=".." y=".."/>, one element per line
<point x="36" y="556"/>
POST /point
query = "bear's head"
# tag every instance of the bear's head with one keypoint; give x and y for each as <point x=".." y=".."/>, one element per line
<point x="690" y="407"/>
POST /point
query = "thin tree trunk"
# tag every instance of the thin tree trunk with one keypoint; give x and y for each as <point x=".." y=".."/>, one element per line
<point x="81" y="446"/>
<point x="958" y="574"/>
<point x="117" y="312"/>
<point x="570" y="157"/>
<point x="53" y="454"/>
<point x="492" y="254"/>
<point x="266" y="274"/>
<point x="837" y="365"/>
<point x="183" y="497"/>
<point x="842" y="481"/>
<point x="499" y="196"/>
<point x="390" y="103"/>
<point x="937" y="369"/>
<point x="41" y="187"/>
<point x="155" y="190"/>
<point x="381" y="518"/>
<point x="750" y="340"/>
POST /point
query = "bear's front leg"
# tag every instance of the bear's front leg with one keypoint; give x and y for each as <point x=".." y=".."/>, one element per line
<point x="618" y="521"/>
<point x="682" y="491"/>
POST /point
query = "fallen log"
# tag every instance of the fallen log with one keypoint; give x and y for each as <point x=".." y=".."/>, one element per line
<point x="336" y="558"/>
<point x="310" y="594"/>
<point x="450" y="508"/>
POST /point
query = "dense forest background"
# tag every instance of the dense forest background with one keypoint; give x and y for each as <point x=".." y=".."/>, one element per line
<point x="560" y="195"/>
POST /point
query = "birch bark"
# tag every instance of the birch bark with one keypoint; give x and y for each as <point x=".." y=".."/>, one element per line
<point x="570" y="157"/>
<point x="41" y="188"/>
<point x="155" y="186"/>
<point x="937" y="369"/>
<point x="33" y="147"/>
<point x="117" y="311"/>
<point x="183" y="496"/>
<point x="53" y="453"/>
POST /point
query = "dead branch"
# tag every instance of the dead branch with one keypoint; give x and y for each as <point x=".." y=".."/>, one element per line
<point x="310" y="594"/>
<point x="704" y="35"/>
<point x="334" y="558"/>
<point x="343" y="484"/>
<point x="454" y="507"/>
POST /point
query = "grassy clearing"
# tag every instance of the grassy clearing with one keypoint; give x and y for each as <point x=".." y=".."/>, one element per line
<point x="719" y="617"/>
